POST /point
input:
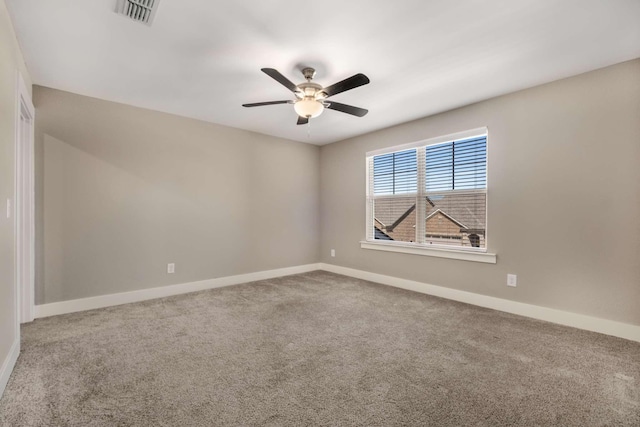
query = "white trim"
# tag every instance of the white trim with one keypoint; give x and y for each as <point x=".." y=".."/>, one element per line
<point x="428" y="194"/>
<point x="439" y="252"/>
<point x="63" y="307"/>
<point x="580" y="321"/>
<point x="421" y="199"/>
<point x="369" y="206"/>
<point x="24" y="212"/>
<point x="437" y="140"/>
<point x="486" y="197"/>
<point x="8" y="364"/>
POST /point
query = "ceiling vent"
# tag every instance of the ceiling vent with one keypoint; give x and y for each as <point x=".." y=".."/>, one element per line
<point x="139" y="10"/>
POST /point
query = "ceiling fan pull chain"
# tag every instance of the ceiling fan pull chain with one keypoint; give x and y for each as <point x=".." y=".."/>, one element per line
<point x="309" y="129"/>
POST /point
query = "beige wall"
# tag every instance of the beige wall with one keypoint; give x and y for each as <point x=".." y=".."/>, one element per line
<point x="11" y="63"/>
<point x="124" y="191"/>
<point x="563" y="197"/>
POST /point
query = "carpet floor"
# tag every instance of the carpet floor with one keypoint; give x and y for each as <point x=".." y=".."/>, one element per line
<point x="317" y="349"/>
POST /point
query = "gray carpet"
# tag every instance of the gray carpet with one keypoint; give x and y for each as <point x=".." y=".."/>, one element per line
<point x="317" y="349"/>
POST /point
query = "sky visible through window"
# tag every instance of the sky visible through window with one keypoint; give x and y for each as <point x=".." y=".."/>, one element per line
<point x="395" y="173"/>
<point x="454" y="165"/>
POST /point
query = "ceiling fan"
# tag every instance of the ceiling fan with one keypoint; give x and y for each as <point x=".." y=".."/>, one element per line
<point x="311" y="98"/>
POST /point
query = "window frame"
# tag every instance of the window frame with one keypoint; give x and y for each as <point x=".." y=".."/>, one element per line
<point x="429" y="249"/>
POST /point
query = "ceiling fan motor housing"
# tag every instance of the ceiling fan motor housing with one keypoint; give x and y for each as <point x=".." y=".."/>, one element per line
<point x="310" y="90"/>
<point x="308" y="73"/>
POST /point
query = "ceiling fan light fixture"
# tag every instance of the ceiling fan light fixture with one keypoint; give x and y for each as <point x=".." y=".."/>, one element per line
<point x="308" y="107"/>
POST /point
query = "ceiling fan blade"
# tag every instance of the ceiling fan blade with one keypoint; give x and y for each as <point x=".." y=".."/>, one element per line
<point x="260" y="104"/>
<point x="302" y="120"/>
<point x="275" y="74"/>
<point x="346" y="84"/>
<point x="349" y="109"/>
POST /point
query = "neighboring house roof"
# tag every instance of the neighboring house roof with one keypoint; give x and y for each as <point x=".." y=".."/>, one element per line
<point x="378" y="223"/>
<point x="381" y="235"/>
<point x="448" y="216"/>
<point x="471" y="214"/>
<point x="401" y="218"/>
<point x="387" y="211"/>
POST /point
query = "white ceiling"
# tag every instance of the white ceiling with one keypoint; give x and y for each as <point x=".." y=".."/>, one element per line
<point x="202" y="58"/>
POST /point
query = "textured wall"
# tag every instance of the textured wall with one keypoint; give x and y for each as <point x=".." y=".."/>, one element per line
<point x="563" y="196"/>
<point x="11" y="62"/>
<point x="124" y="191"/>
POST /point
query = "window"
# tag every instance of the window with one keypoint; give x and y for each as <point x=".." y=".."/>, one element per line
<point x="431" y="194"/>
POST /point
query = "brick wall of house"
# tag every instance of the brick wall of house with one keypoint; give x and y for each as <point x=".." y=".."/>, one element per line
<point x="442" y="225"/>
<point x="437" y="225"/>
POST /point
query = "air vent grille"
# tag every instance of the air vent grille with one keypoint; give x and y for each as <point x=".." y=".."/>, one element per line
<point x="139" y="10"/>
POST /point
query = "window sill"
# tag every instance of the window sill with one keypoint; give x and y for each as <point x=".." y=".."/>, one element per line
<point x="409" y="248"/>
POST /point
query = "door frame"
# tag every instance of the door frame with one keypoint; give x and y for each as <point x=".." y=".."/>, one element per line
<point x="24" y="219"/>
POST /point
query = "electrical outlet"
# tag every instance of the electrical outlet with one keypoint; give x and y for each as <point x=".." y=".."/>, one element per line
<point x="512" y="280"/>
<point x="333" y="253"/>
<point x="171" y="268"/>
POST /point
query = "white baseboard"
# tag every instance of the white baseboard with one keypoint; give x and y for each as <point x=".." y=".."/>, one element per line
<point x="8" y="364"/>
<point x="63" y="307"/>
<point x="580" y="321"/>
